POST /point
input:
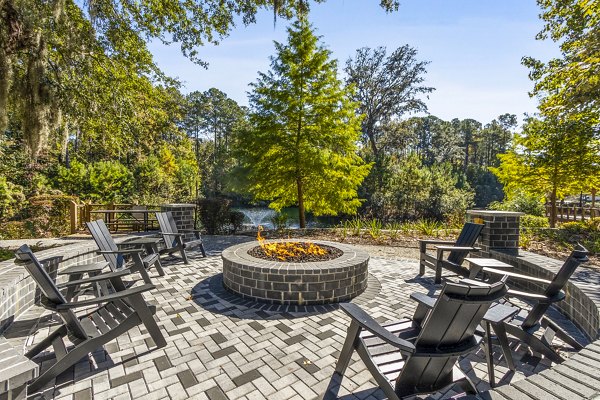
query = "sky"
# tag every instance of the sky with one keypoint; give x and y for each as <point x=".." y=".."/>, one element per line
<point x="474" y="48"/>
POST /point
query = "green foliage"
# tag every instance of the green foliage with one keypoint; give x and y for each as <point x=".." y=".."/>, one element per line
<point x="374" y="227"/>
<point x="11" y="198"/>
<point x="102" y="181"/>
<point x="215" y="215"/>
<point x="415" y="191"/>
<point x="301" y="149"/>
<point x="569" y="86"/>
<point x="49" y="215"/>
<point x="529" y="221"/>
<point x="236" y="219"/>
<point x="280" y="221"/>
<point x="387" y="88"/>
<point x="521" y="201"/>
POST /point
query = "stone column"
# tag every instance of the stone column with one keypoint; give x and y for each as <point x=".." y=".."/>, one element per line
<point x="183" y="214"/>
<point x="501" y="230"/>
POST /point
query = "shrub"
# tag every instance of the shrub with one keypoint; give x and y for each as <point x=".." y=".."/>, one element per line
<point x="11" y="198"/>
<point x="521" y="202"/>
<point x="49" y="215"/>
<point x="280" y="221"/>
<point x="214" y="214"/>
<point x="236" y="219"/>
<point x="534" y="222"/>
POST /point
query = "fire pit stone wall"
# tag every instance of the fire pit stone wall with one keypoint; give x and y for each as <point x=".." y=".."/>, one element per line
<point x="307" y="283"/>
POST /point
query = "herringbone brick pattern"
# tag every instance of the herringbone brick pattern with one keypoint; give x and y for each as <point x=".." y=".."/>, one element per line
<point x="222" y="347"/>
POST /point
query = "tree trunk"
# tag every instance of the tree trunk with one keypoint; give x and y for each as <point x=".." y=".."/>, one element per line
<point x="301" y="216"/>
<point x="553" y="207"/>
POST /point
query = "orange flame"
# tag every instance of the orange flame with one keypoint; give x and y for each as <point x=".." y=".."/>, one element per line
<point x="284" y="250"/>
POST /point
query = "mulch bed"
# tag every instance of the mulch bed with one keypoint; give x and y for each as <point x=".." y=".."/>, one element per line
<point x="331" y="253"/>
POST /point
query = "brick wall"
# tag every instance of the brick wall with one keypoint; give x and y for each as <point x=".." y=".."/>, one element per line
<point x="501" y="230"/>
<point x="183" y="214"/>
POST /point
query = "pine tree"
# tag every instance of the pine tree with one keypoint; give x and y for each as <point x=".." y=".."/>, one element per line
<point x="302" y="148"/>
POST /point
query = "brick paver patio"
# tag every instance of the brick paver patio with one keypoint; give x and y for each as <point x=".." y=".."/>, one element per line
<point x="221" y="347"/>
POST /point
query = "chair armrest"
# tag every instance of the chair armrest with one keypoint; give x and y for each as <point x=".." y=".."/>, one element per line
<point x="457" y="248"/>
<point x="366" y="322"/>
<point x="97" y="278"/>
<point x="83" y="268"/>
<point x="123" y="251"/>
<point x="108" y="298"/>
<point x="179" y="234"/>
<point x="435" y="241"/>
<point x="190" y="231"/>
<point x="423" y="299"/>
<point x="514" y="275"/>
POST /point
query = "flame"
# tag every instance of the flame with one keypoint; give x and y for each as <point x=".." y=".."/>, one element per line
<point x="284" y="250"/>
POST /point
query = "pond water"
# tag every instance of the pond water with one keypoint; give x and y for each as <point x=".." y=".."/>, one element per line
<point x="255" y="216"/>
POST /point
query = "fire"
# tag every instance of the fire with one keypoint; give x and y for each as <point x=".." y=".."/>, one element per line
<point x="285" y="250"/>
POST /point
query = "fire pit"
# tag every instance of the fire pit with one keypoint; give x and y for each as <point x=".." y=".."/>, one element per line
<point x="341" y="275"/>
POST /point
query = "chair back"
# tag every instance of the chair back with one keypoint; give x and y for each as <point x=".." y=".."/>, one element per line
<point x="446" y="333"/>
<point x="105" y="241"/>
<point x="167" y="227"/>
<point x="38" y="273"/>
<point x="577" y="257"/>
<point x="468" y="235"/>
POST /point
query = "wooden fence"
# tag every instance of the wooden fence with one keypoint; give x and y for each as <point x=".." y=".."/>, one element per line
<point x="573" y="212"/>
<point x="118" y="217"/>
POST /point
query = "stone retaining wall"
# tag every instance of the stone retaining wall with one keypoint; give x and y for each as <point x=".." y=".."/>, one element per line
<point x="17" y="289"/>
<point x="581" y="305"/>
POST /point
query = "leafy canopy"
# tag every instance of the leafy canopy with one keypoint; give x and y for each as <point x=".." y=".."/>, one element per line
<point x="301" y="149"/>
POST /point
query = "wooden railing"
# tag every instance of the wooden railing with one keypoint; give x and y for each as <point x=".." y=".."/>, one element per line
<point x="573" y="212"/>
<point x="118" y="217"/>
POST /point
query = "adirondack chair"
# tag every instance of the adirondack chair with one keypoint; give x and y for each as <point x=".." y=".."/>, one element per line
<point x="526" y="323"/>
<point x="116" y="314"/>
<point x="457" y="251"/>
<point x="419" y="355"/>
<point x="115" y="256"/>
<point x="174" y="238"/>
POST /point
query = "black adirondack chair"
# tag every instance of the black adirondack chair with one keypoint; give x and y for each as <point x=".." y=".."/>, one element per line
<point x="116" y="256"/>
<point x="457" y="251"/>
<point x="116" y="314"/>
<point x="174" y="238"/>
<point x="419" y="355"/>
<point x="526" y="323"/>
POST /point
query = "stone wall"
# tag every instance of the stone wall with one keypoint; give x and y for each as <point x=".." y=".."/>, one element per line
<point x="183" y="214"/>
<point x="501" y="230"/>
<point x="18" y="291"/>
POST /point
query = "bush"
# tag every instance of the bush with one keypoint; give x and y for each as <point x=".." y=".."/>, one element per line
<point x="11" y="198"/>
<point x="214" y="214"/>
<point x="236" y="219"/>
<point x="521" y="202"/>
<point x="17" y="230"/>
<point x="280" y="221"/>
<point x="534" y="222"/>
<point x="49" y="215"/>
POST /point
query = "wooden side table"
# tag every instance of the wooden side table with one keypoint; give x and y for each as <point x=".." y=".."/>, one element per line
<point x="494" y="320"/>
<point x="478" y="264"/>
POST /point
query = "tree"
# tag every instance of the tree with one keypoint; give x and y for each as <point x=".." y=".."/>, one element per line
<point x="301" y="149"/>
<point x="386" y="87"/>
<point x="214" y="116"/>
<point x="551" y="158"/>
<point x="50" y="49"/>
<point x="569" y="85"/>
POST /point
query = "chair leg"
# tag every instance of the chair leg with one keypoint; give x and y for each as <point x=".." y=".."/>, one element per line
<point x="159" y="268"/>
<point x="489" y="357"/>
<point x="438" y="272"/>
<point x="47" y="342"/>
<point x="184" y="255"/>
<point x="202" y="250"/>
<point x="139" y="305"/>
<point x="422" y="250"/>
<point x="138" y="265"/>
<point x="348" y="348"/>
<point x="503" y="340"/>
<point x="533" y="342"/>
<point x="561" y="334"/>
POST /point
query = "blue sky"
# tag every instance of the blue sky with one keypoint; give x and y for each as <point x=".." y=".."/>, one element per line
<point x="474" y="46"/>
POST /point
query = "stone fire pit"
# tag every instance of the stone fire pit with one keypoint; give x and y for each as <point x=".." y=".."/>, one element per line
<point x="305" y="283"/>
